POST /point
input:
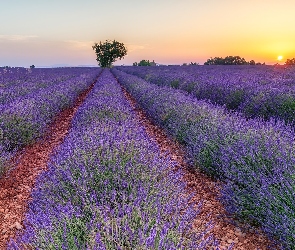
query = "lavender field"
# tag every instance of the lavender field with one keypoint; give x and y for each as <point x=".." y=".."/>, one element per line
<point x="107" y="187"/>
<point x="265" y="92"/>
<point x="29" y="99"/>
<point x="254" y="158"/>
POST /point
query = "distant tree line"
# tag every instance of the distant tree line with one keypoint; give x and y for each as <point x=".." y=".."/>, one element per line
<point x="290" y="61"/>
<point x="145" y="63"/>
<point x="230" y="60"/>
<point x="191" y="63"/>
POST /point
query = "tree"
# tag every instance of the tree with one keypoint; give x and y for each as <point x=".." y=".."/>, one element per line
<point x="229" y="60"/>
<point x="191" y="63"/>
<point x="108" y="52"/>
<point x="260" y="63"/>
<point x="290" y="61"/>
<point x="144" y="63"/>
<point x="215" y="61"/>
<point x="234" y="60"/>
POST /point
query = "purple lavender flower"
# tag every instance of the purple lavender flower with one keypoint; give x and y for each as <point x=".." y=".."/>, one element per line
<point x="259" y="91"/>
<point x="107" y="186"/>
<point x="28" y="103"/>
<point x="254" y="158"/>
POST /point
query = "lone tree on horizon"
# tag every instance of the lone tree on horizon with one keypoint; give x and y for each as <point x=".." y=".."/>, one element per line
<point x="108" y="52"/>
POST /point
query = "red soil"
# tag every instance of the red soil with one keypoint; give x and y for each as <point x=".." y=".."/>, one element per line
<point x="205" y="190"/>
<point x="16" y="185"/>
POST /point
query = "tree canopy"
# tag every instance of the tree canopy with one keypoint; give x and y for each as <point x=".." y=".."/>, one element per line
<point x="290" y="61"/>
<point x="144" y="63"/>
<point x="191" y="63"/>
<point x="229" y="60"/>
<point x="108" y="52"/>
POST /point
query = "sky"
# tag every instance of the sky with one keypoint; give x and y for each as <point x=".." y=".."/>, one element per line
<point x="62" y="32"/>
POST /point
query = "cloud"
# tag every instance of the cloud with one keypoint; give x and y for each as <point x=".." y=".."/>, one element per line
<point x="88" y="44"/>
<point x="135" y="47"/>
<point x="17" y="37"/>
<point x="80" y="44"/>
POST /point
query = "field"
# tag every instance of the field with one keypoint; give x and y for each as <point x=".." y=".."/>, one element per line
<point x="253" y="157"/>
<point x="30" y="99"/>
<point x="107" y="186"/>
<point x="255" y="91"/>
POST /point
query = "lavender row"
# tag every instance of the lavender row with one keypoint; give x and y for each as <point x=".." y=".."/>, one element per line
<point x="255" y="159"/>
<point x="24" y="119"/>
<point x="18" y="75"/>
<point x="18" y="82"/>
<point x="255" y="91"/>
<point x="108" y="188"/>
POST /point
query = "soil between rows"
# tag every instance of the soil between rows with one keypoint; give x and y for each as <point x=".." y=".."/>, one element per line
<point x="205" y="189"/>
<point x="17" y="183"/>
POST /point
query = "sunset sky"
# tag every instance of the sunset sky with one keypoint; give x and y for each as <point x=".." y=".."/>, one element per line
<point x="61" y="32"/>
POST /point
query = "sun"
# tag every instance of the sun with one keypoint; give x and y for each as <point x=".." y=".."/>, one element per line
<point x="280" y="58"/>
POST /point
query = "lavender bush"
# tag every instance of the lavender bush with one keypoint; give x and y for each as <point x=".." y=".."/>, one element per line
<point x="256" y="91"/>
<point x="255" y="159"/>
<point x="108" y="188"/>
<point x="16" y="82"/>
<point x="10" y="77"/>
<point x="24" y="118"/>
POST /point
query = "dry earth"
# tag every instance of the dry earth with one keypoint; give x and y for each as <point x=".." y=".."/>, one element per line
<point x="16" y="185"/>
<point x="205" y="189"/>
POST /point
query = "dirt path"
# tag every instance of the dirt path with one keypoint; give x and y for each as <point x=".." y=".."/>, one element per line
<point x="16" y="185"/>
<point x="205" y="189"/>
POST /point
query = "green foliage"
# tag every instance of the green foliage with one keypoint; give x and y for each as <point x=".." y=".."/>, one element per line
<point x="189" y="87"/>
<point x="17" y="132"/>
<point x="108" y="52"/>
<point x="208" y="159"/>
<point x="76" y="233"/>
<point x="175" y="84"/>
<point x="235" y="98"/>
<point x="145" y="63"/>
<point x="260" y="63"/>
<point x="290" y="61"/>
<point x="230" y="60"/>
<point x="191" y="63"/>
